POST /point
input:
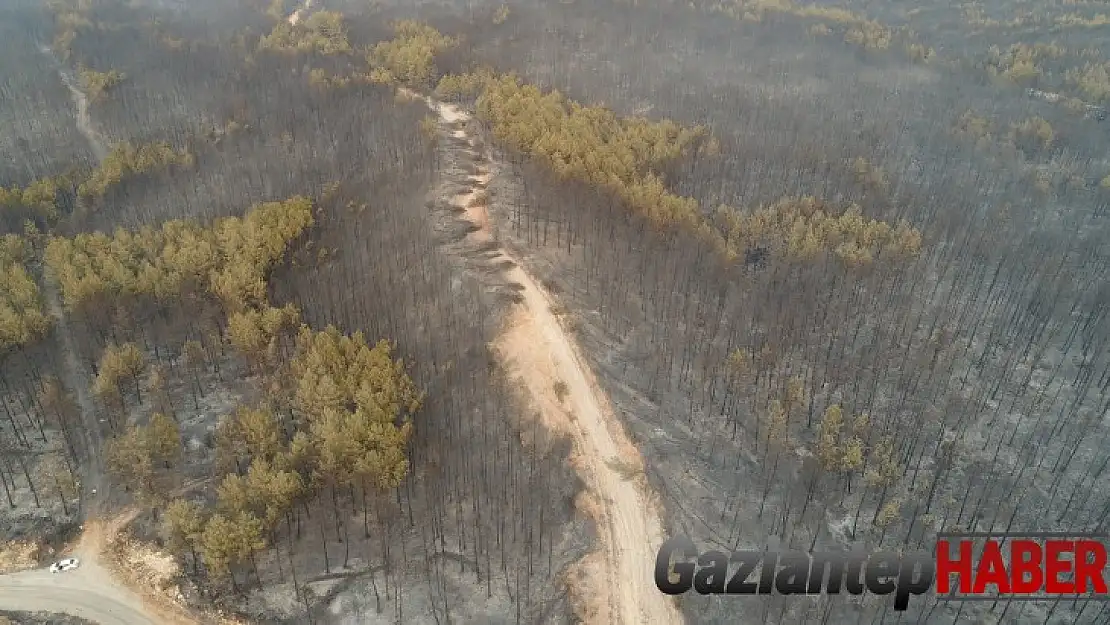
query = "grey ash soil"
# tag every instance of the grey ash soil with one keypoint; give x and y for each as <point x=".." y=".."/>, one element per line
<point x="40" y="618"/>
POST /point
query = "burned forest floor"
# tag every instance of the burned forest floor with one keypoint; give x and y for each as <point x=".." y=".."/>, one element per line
<point x="771" y="275"/>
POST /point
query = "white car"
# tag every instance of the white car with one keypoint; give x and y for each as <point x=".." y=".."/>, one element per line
<point x="64" y="565"/>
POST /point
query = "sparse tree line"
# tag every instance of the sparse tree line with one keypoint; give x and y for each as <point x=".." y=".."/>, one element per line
<point x="84" y="31"/>
<point x="631" y="158"/>
<point x="1033" y="135"/>
<point x="1036" y="64"/>
<point x="127" y="161"/>
<point x="68" y="21"/>
<point x="46" y="200"/>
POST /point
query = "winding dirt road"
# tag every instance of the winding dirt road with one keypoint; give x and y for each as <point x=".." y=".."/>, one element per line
<point x="614" y="584"/>
<point x="81" y="103"/>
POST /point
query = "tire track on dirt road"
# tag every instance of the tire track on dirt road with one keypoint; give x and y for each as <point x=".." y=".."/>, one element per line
<point x="615" y="583"/>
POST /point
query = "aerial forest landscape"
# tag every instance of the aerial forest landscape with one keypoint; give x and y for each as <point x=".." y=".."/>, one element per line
<point x="444" y="312"/>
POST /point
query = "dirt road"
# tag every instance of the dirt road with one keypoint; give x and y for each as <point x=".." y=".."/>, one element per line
<point x="74" y="375"/>
<point x="81" y="103"/>
<point x="85" y="592"/>
<point x="615" y="583"/>
<point x="90" y="591"/>
<point x="95" y="483"/>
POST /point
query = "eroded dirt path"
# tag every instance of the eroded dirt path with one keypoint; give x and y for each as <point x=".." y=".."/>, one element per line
<point x="81" y="104"/>
<point x="613" y="584"/>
